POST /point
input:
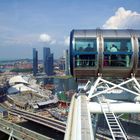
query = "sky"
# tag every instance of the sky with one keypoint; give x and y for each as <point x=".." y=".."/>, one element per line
<point x="27" y="24"/>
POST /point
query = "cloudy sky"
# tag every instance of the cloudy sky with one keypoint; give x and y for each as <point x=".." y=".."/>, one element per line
<point x="25" y="24"/>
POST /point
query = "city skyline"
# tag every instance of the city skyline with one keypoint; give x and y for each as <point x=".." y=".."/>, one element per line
<point x="28" y="24"/>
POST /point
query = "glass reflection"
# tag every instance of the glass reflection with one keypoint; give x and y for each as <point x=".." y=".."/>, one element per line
<point x="117" y="52"/>
<point x="85" y="51"/>
<point x="85" y="45"/>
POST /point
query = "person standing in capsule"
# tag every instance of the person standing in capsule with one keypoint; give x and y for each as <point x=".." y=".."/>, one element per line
<point x="113" y="56"/>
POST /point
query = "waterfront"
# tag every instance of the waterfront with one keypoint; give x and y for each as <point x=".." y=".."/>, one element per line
<point x="60" y="84"/>
<point x="66" y="85"/>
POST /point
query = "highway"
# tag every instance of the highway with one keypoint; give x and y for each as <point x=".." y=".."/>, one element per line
<point x="20" y="133"/>
<point x="49" y="122"/>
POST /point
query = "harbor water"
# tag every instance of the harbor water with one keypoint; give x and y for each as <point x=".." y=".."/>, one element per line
<point x="60" y="84"/>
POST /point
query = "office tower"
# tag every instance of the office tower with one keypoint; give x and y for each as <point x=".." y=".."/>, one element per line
<point x="35" y="61"/>
<point x="48" y="61"/>
<point x="46" y="53"/>
<point x="66" y="57"/>
<point x="50" y="65"/>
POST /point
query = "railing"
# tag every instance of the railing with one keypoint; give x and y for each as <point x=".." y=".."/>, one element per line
<point x="119" y="59"/>
<point x="85" y="63"/>
<point x="122" y="127"/>
<point x="116" y="63"/>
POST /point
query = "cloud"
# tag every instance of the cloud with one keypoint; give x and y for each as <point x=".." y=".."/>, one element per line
<point x="123" y="19"/>
<point x="46" y="39"/>
<point x="67" y="41"/>
<point x="27" y="39"/>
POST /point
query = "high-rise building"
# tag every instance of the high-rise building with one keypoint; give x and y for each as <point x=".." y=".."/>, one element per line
<point x="50" y="64"/>
<point x="35" y="61"/>
<point x="66" y="62"/>
<point x="46" y="53"/>
<point x="48" y="61"/>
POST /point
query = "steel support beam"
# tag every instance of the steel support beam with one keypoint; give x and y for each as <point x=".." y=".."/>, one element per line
<point x="94" y="94"/>
<point x="119" y="107"/>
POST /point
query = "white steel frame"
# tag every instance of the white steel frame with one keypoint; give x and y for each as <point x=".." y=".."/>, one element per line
<point x="91" y="88"/>
<point x="93" y="94"/>
<point x="10" y="136"/>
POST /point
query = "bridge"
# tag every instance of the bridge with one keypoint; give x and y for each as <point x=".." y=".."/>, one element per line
<point x="19" y="133"/>
<point x="46" y="121"/>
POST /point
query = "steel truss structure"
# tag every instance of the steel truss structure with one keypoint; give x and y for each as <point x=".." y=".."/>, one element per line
<point x="105" y="105"/>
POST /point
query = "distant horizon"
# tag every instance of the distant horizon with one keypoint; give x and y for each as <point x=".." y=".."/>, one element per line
<point x="24" y="59"/>
<point x="34" y="24"/>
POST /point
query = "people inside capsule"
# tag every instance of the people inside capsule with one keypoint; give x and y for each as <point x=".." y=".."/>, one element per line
<point x="88" y="48"/>
<point x="113" y="48"/>
<point x="113" y="56"/>
<point x="89" y="59"/>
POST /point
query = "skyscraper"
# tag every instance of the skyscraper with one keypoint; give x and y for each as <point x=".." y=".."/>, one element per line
<point x="50" y="64"/>
<point x="35" y="61"/>
<point x="46" y="52"/>
<point x="48" y="61"/>
<point x="66" y="62"/>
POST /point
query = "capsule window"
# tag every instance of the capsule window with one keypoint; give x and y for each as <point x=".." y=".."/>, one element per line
<point x="85" y="45"/>
<point x="85" y="51"/>
<point x="117" y="52"/>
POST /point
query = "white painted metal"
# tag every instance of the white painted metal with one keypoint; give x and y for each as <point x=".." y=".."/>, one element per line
<point x="79" y="125"/>
<point x="92" y="94"/>
<point x="92" y="90"/>
<point x="120" y="86"/>
<point x="86" y="125"/>
<point x="86" y="87"/>
<point x="70" y="120"/>
<point x="10" y="136"/>
<point x="138" y="90"/>
<point x="119" y="107"/>
<point x="113" y="124"/>
<point x="136" y="82"/>
<point x="78" y="121"/>
<point x="108" y="107"/>
<point x="75" y="127"/>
